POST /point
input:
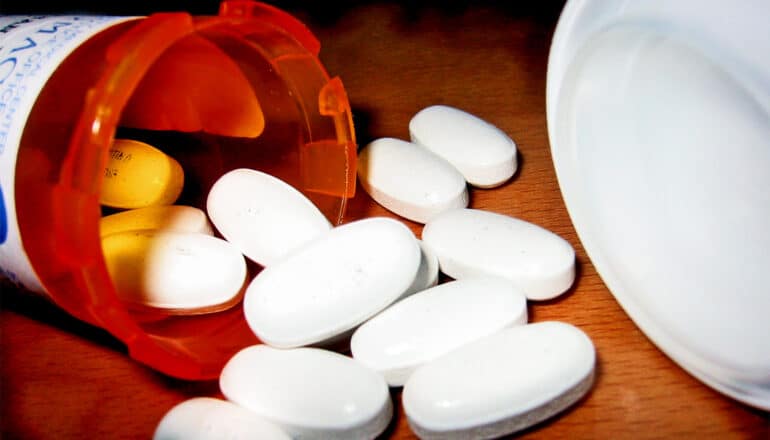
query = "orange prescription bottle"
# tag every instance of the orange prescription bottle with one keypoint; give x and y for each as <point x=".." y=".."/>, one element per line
<point x="244" y="88"/>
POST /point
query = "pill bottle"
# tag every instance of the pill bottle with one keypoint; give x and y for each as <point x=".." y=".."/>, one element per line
<point x="242" y="89"/>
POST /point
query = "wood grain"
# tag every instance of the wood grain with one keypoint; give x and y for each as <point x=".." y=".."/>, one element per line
<point x="63" y="379"/>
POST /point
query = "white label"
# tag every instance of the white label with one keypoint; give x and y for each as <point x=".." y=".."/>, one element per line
<point x="31" y="48"/>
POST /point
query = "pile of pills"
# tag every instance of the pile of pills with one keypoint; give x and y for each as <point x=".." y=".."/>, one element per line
<point x="159" y="255"/>
<point x="469" y="363"/>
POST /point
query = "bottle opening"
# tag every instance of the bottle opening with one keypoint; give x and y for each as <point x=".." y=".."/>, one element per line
<point x="214" y="94"/>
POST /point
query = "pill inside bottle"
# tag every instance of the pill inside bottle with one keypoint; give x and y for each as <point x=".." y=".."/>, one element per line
<point x="137" y="175"/>
<point x="206" y="95"/>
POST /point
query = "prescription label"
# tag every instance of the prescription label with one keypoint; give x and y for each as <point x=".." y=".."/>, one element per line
<point x="3" y="219"/>
<point x="31" y="48"/>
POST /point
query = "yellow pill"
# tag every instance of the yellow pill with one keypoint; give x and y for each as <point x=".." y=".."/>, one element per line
<point x="170" y="218"/>
<point x="139" y="175"/>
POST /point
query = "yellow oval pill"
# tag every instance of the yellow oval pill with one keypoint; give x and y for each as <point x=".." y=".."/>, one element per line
<point x="139" y="175"/>
<point x="169" y="217"/>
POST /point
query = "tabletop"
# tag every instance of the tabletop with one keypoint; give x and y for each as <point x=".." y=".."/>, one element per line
<point x="63" y="379"/>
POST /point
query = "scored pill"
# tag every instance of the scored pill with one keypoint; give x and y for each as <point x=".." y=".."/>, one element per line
<point x="500" y="384"/>
<point x="410" y="180"/>
<point x="310" y="393"/>
<point x="206" y="418"/>
<point x="333" y="284"/>
<point x="483" y="153"/>
<point x="472" y="242"/>
<point x="168" y="217"/>
<point x="180" y="272"/>
<point x="263" y="216"/>
<point x="138" y="175"/>
<point x="433" y="322"/>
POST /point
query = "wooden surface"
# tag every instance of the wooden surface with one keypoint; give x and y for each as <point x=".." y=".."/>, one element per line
<point x="61" y="379"/>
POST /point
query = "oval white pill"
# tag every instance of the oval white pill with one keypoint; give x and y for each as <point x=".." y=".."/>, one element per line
<point x="205" y="418"/>
<point x="410" y="180"/>
<point x="483" y="153"/>
<point x="471" y="242"/>
<point x="310" y="393"/>
<point x="433" y="322"/>
<point x="333" y="284"/>
<point x="263" y="216"/>
<point x="167" y="217"/>
<point x="427" y="274"/>
<point x="177" y="271"/>
<point x="500" y="384"/>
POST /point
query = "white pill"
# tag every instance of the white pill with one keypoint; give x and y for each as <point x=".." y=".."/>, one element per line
<point x="471" y="242"/>
<point x="310" y="393"/>
<point x="263" y="216"/>
<point x="433" y="322"/>
<point x="500" y="384"/>
<point x="409" y="180"/>
<point x="483" y="153"/>
<point x="180" y="271"/>
<point x="205" y="418"/>
<point x="427" y="274"/>
<point x="333" y="284"/>
<point x="167" y="217"/>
